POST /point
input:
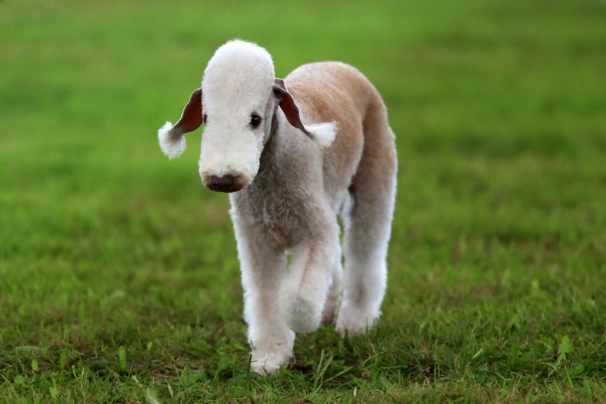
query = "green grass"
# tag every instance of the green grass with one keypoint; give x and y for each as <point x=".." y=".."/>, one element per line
<point x="118" y="273"/>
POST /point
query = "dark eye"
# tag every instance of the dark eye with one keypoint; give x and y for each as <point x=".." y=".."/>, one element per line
<point x="205" y="119"/>
<point x="255" y="120"/>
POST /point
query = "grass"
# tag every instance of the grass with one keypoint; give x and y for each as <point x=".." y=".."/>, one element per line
<point x="119" y="278"/>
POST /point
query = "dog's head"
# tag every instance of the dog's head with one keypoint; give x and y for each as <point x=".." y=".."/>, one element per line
<point x="236" y="104"/>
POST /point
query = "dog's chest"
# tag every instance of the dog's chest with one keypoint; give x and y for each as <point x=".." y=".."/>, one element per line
<point x="279" y="217"/>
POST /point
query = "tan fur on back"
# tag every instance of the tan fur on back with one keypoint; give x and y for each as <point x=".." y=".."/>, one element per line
<point x="329" y="91"/>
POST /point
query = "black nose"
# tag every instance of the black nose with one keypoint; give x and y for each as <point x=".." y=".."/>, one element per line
<point x="223" y="183"/>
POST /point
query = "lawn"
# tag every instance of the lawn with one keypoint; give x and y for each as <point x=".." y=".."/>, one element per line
<point x="119" y="281"/>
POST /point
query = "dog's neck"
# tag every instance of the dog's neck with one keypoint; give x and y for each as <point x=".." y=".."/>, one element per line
<point x="268" y="161"/>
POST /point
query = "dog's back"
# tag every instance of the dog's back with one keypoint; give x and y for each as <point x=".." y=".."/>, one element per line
<point x="334" y="91"/>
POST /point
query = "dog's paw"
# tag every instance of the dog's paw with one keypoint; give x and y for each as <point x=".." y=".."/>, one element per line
<point x="269" y="362"/>
<point x="300" y="313"/>
<point x="355" y="320"/>
<point x="304" y="317"/>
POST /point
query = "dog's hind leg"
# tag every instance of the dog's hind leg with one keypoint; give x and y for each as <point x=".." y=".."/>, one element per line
<point x="368" y="227"/>
<point x="334" y="296"/>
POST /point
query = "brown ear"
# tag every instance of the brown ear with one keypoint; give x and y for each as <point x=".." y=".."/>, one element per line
<point x="191" y="117"/>
<point x="287" y="103"/>
<point x="172" y="141"/>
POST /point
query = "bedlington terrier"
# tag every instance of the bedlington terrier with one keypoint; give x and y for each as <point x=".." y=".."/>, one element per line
<point x="293" y="154"/>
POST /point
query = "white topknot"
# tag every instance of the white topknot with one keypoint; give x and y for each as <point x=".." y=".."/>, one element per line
<point x="230" y="61"/>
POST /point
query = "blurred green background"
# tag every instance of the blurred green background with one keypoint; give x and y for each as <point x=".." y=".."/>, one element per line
<point x="116" y="262"/>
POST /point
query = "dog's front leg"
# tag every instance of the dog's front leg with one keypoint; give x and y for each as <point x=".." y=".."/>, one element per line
<point x="262" y="274"/>
<point x="303" y="296"/>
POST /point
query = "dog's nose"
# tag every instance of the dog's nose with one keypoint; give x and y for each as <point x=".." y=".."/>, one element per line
<point x="222" y="183"/>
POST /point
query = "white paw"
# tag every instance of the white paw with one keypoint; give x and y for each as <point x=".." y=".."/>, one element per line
<point x="355" y="320"/>
<point x="268" y="363"/>
<point x="299" y="313"/>
<point x="302" y="315"/>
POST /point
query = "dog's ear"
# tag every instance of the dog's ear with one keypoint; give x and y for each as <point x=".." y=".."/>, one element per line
<point x="287" y="103"/>
<point x="323" y="133"/>
<point x="172" y="141"/>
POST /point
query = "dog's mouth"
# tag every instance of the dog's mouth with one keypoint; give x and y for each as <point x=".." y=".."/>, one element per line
<point x="224" y="183"/>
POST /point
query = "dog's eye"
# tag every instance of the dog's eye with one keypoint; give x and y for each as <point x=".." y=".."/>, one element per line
<point x="205" y="119"/>
<point x="255" y="120"/>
